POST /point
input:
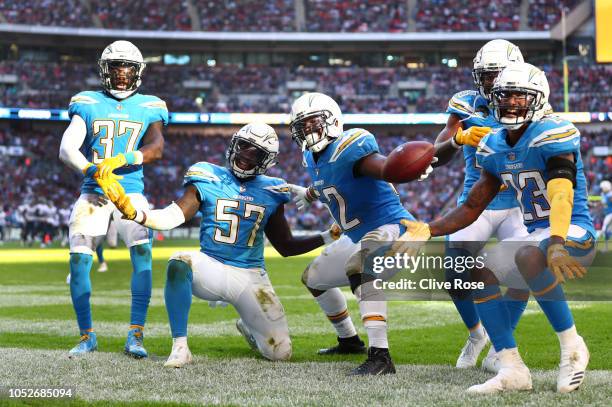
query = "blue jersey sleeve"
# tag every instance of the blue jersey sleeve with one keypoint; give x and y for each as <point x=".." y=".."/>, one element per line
<point x="462" y="104"/>
<point x="556" y="137"/>
<point x="485" y="158"/>
<point x="354" y="145"/>
<point x="157" y="110"/>
<point x="200" y="175"/>
<point x="81" y="104"/>
<point x="279" y="189"/>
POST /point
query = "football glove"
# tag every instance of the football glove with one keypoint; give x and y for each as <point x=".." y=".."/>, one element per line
<point x="110" y="185"/>
<point x="303" y="197"/>
<point x="417" y="233"/>
<point x="331" y="235"/>
<point x="109" y="165"/>
<point x="562" y="264"/>
<point x="124" y="205"/>
<point x="471" y="136"/>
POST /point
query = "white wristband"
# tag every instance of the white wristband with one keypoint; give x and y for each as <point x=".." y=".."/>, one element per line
<point x="327" y="237"/>
<point x="454" y="143"/>
<point x="138" y="157"/>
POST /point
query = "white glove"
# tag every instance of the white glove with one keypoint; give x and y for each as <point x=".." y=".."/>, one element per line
<point x="303" y="197"/>
<point x="215" y="304"/>
<point x="428" y="171"/>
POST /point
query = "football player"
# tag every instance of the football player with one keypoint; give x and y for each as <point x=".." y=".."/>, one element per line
<point x="346" y="170"/>
<point x="119" y="130"/>
<point x="470" y="119"/>
<point x="238" y="205"/>
<point x="606" y="200"/>
<point x="537" y="157"/>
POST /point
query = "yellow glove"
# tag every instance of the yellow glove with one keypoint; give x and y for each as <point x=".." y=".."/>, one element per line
<point x="417" y="233"/>
<point x="106" y="168"/>
<point x="110" y="185"/>
<point x="562" y="264"/>
<point x="335" y="231"/>
<point x="471" y="136"/>
<point x="124" y="205"/>
<point x="331" y="235"/>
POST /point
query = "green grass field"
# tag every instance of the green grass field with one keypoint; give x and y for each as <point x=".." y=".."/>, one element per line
<point x="37" y="328"/>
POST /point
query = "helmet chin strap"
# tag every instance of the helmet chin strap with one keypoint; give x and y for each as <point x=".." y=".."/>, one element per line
<point x="121" y="94"/>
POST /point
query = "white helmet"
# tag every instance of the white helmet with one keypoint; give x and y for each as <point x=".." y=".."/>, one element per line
<point x="606" y="186"/>
<point x="254" y="145"/>
<point x="494" y="56"/>
<point x="527" y="82"/>
<point x="316" y="120"/>
<point x="121" y="54"/>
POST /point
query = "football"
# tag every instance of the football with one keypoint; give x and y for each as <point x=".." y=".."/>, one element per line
<point x="408" y="161"/>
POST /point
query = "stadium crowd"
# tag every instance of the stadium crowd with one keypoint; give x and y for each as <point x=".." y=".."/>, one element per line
<point x="281" y="16"/>
<point x="264" y="88"/>
<point x="36" y="195"/>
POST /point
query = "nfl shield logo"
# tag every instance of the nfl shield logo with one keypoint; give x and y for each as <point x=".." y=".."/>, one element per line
<point x="242" y="188"/>
<point x="119" y="107"/>
<point x="511" y="156"/>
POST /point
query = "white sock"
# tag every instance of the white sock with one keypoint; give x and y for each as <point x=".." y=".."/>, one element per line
<point x="568" y="337"/>
<point x="374" y="316"/>
<point x="333" y="304"/>
<point x="478" y="332"/>
<point x="179" y="341"/>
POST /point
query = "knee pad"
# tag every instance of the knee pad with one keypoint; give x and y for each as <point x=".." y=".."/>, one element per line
<point x="305" y="273"/>
<point x="277" y="348"/>
<point x="178" y="271"/>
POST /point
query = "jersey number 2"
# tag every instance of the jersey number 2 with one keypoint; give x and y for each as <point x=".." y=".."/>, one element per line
<point x="346" y="225"/>
<point x="107" y="139"/>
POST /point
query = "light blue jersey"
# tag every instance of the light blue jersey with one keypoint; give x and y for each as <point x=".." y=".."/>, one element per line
<point x="357" y="204"/>
<point x="606" y="200"/>
<point x="235" y="213"/>
<point x="114" y="127"/>
<point x="522" y="168"/>
<point x="474" y="110"/>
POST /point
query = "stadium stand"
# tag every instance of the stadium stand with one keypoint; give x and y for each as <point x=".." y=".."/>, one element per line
<point x="282" y="15"/>
<point x="263" y="88"/>
<point x="34" y="175"/>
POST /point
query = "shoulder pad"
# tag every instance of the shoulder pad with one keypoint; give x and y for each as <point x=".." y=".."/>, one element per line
<point x="353" y="137"/>
<point x="201" y="172"/>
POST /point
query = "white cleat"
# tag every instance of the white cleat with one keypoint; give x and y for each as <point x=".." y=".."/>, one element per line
<point x="574" y="361"/>
<point x="244" y="331"/>
<point x="513" y="375"/>
<point x="103" y="267"/>
<point x="471" y="351"/>
<point x="491" y="362"/>
<point x="179" y="357"/>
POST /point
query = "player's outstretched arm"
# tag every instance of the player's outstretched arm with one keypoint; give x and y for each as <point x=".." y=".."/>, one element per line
<point x="373" y="164"/>
<point x="168" y="218"/>
<point x="279" y="233"/>
<point x="477" y="201"/>
<point x="445" y="149"/>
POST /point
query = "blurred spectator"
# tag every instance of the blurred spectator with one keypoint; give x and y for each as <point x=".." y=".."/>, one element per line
<point x="356" y="16"/>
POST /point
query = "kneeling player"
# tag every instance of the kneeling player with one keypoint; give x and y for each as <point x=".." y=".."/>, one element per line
<point x="539" y="158"/>
<point x="238" y="204"/>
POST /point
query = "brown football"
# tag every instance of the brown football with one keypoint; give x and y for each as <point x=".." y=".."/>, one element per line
<point x="408" y="161"/>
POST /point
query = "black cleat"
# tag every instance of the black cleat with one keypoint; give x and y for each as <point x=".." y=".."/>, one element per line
<point x="378" y="363"/>
<point x="345" y="346"/>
